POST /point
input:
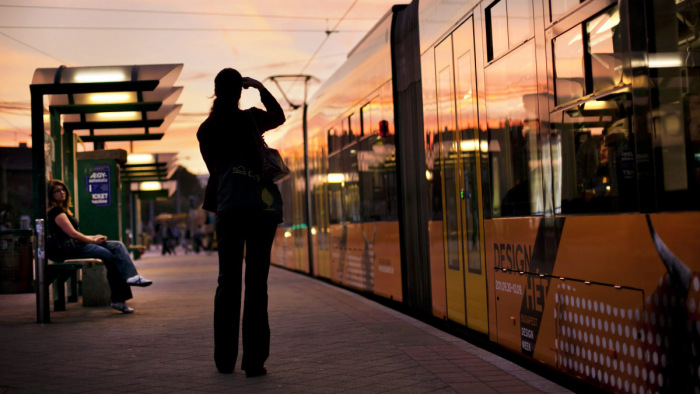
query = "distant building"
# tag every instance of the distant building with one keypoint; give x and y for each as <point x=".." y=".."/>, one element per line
<point x="15" y="185"/>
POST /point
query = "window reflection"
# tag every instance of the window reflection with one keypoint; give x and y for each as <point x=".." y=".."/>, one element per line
<point x="377" y="171"/>
<point x="511" y="107"/>
<point x="569" y="66"/>
<point x="560" y="7"/>
<point x="370" y="114"/>
<point x="509" y="23"/>
<point x="497" y="22"/>
<point x="344" y="192"/>
<point x="520" y="23"/>
<point x="319" y="196"/>
<point x="449" y="151"/>
<point x="432" y="156"/>
<point x="674" y="67"/>
<point x="361" y="175"/>
<point x="593" y="157"/>
<point x="604" y="47"/>
<point x="344" y="132"/>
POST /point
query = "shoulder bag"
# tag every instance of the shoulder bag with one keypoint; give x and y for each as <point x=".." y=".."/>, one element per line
<point x="273" y="166"/>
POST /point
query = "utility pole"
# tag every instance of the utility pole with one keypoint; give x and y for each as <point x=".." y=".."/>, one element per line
<point x="307" y="174"/>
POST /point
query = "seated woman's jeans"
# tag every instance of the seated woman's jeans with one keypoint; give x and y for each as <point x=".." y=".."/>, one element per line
<point x="115" y="256"/>
<point x="114" y="251"/>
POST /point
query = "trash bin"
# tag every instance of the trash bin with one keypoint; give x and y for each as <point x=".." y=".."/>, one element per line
<point x="16" y="268"/>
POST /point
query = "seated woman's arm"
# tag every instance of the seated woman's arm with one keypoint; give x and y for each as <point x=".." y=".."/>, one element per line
<point x="65" y="225"/>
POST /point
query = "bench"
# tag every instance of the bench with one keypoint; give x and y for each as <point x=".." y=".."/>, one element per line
<point x="137" y="250"/>
<point x="93" y="286"/>
<point x="57" y="274"/>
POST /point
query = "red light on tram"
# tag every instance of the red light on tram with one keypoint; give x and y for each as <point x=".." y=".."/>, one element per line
<point x="383" y="128"/>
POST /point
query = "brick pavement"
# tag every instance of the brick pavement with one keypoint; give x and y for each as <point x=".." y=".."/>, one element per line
<point x="324" y="340"/>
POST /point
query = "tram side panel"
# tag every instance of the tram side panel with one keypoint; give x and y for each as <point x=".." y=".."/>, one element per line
<point x="593" y="292"/>
<point x="611" y="310"/>
<point x="353" y="225"/>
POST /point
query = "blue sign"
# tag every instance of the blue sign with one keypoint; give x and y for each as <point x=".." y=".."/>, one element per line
<point x="98" y="185"/>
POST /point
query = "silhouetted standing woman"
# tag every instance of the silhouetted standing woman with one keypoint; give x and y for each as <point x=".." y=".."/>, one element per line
<point x="248" y="210"/>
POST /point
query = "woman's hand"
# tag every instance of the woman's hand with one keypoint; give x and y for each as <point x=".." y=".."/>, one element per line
<point x="99" y="239"/>
<point x="254" y="83"/>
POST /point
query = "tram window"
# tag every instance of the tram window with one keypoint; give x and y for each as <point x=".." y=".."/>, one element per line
<point x="497" y="29"/>
<point x="377" y="170"/>
<point x="345" y="137"/>
<point x="599" y="68"/>
<point x="387" y="108"/>
<point x="336" y="182"/>
<point x="511" y="108"/>
<point x="593" y="157"/>
<point x="604" y="47"/>
<point x="508" y="24"/>
<point x="561" y="7"/>
<point x="353" y="133"/>
<point x="430" y="125"/>
<point x="675" y="69"/>
<point x="521" y="26"/>
<point x="285" y="187"/>
<point x="570" y="82"/>
<point x="343" y="186"/>
<point x="351" y="184"/>
<point x="370" y="114"/>
<point x="334" y="139"/>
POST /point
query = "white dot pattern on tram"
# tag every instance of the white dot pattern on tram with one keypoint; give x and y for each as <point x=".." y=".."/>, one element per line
<point x="618" y="343"/>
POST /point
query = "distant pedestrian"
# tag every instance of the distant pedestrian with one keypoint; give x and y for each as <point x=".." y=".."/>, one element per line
<point x="165" y="235"/>
<point x="174" y="237"/>
<point x="65" y="241"/>
<point x="229" y="140"/>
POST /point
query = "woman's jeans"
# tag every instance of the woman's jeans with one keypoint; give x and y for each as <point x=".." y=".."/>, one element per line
<point x="115" y="256"/>
<point x="255" y="232"/>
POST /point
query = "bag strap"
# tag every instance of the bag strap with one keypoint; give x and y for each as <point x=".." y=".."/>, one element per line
<point x="258" y="134"/>
<point x="259" y="140"/>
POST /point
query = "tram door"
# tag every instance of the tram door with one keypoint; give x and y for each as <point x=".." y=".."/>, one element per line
<point x="459" y="150"/>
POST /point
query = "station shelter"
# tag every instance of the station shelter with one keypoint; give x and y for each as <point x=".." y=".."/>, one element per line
<point x="83" y="105"/>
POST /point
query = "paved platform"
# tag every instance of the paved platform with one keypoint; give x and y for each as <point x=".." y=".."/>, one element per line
<point x="324" y="340"/>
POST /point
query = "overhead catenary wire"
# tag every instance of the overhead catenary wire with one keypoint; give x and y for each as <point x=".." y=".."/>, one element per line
<point x="16" y="129"/>
<point x="328" y="34"/>
<point x="184" y="29"/>
<point x="170" y="12"/>
<point x="61" y="61"/>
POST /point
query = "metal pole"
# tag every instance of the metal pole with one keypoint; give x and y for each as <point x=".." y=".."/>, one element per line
<point x="307" y="175"/>
<point x="39" y="201"/>
<point x="307" y="172"/>
<point x="42" y="293"/>
<point x="134" y="219"/>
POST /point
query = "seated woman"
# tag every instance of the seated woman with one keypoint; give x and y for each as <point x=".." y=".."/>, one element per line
<point x="65" y="241"/>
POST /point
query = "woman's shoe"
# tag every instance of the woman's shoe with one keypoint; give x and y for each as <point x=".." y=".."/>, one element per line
<point x="122" y="307"/>
<point x="138" y="280"/>
<point x="251" y="373"/>
<point x="224" y="366"/>
<point x="224" y="369"/>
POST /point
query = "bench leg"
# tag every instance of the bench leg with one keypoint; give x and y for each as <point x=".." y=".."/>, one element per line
<point x="59" y="302"/>
<point x="73" y="280"/>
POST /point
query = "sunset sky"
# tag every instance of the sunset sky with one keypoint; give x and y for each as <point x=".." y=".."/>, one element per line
<point x="260" y="38"/>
